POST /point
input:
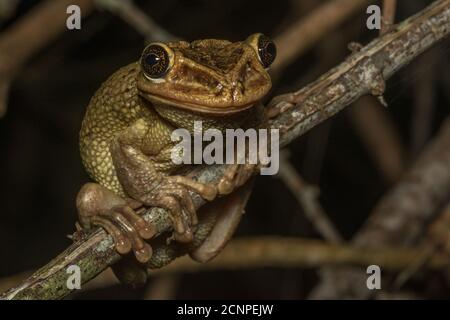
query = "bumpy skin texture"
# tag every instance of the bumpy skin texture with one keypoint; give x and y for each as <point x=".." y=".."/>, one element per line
<point x="114" y="108"/>
<point x="117" y="110"/>
<point x="125" y="136"/>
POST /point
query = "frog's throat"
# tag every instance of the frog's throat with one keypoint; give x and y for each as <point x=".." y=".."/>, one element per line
<point x="197" y="108"/>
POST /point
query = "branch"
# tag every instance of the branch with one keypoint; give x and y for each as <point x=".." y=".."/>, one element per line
<point x="248" y="253"/>
<point x="399" y="217"/>
<point x="361" y="73"/>
<point x="285" y="252"/>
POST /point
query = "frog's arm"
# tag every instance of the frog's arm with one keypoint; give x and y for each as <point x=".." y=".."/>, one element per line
<point x="141" y="177"/>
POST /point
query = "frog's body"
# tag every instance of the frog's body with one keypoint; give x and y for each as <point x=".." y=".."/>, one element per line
<point x="125" y="139"/>
<point x="116" y="106"/>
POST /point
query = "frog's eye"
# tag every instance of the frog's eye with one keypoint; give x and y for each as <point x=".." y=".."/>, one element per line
<point x="264" y="47"/>
<point x="267" y="50"/>
<point x="156" y="60"/>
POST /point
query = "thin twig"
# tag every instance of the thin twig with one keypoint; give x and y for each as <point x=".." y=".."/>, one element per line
<point x="29" y="35"/>
<point x="305" y="32"/>
<point x="380" y="136"/>
<point x="389" y="8"/>
<point x="307" y="197"/>
<point x="424" y="98"/>
<point x="135" y="17"/>
<point x="361" y="73"/>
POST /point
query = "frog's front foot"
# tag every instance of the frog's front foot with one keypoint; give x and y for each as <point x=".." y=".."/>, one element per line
<point x="98" y="206"/>
<point x="172" y="194"/>
<point x="235" y="176"/>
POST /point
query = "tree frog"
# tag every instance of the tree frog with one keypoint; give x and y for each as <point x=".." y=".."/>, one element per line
<point x="125" y="138"/>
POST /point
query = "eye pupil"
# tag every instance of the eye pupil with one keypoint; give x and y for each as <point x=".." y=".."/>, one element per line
<point x="151" y="59"/>
<point x="267" y="50"/>
<point x="155" y="61"/>
<point x="271" y="49"/>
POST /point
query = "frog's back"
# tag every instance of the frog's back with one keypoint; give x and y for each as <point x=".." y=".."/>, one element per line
<point x="113" y="108"/>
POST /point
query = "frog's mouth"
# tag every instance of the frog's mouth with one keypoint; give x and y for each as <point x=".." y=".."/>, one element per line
<point x="220" y="110"/>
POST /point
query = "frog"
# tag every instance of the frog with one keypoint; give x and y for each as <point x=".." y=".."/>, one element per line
<point x="125" y="138"/>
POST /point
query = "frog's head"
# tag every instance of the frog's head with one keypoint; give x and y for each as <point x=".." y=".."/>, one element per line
<point x="214" y="77"/>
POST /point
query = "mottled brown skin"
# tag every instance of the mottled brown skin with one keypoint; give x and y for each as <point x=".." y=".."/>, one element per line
<point x="125" y="136"/>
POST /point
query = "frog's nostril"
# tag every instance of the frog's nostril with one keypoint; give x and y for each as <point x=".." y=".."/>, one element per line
<point x="237" y="90"/>
<point x="246" y="71"/>
<point x="218" y="89"/>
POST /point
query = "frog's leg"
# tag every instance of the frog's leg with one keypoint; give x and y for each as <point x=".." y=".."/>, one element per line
<point x="229" y="211"/>
<point x="218" y="222"/>
<point x="98" y="206"/>
<point x="141" y="180"/>
<point x="237" y="174"/>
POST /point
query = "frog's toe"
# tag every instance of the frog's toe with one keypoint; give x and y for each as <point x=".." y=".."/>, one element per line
<point x="145" y="229"/>
<point x="128" y="224"/>
<point x="235" y="176"/>
<point x="181" y="216"/>
<point x="244" y="173"/>
<point x="205" y="190"/>
<point x="177" y="201"/>
<point x="229" y="179"/>
<point x="122" y="243"/>
<point x="185" y="237"/>
<point x="100" y="207"/>
<point x="126" y="237"/>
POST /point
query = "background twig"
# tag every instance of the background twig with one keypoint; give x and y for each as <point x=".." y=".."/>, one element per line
<point x="280" y="252"/>
<point x="28" y="36"/>
<point x="399" y="217"/>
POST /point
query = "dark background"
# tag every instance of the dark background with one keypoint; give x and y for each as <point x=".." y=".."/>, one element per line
<point x="41" y="170"/>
